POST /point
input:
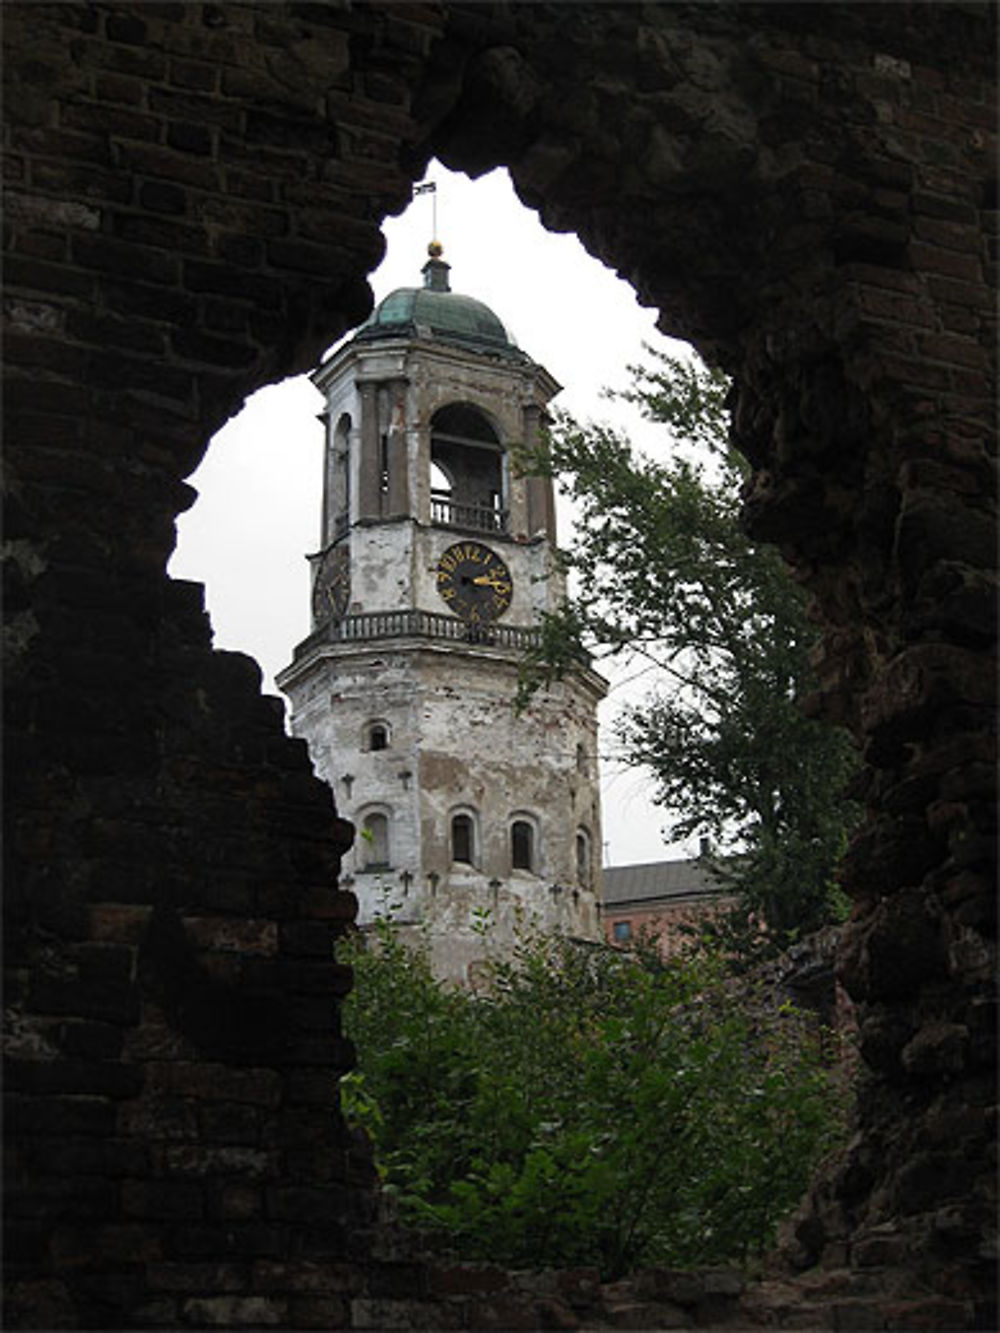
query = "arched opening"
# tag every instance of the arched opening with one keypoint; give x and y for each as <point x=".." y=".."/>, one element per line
<point x="467" y="477"/>
<point x="465" y="448"/>
<point x="257" y="503"/>
<point x="584" y="858"/>
<point x="463" y="838"/>
<point x="375" y="840"/>
<point x="378" y="736"/>
<point x="256" y="511"/>
<point x="340" y="480"/>
<point x="522" y="845"/>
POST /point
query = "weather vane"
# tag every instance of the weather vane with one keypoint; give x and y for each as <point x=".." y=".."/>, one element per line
<point x="430" y="187"/>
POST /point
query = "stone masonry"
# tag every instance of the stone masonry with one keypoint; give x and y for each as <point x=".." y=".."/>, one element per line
<point x="193" y="200"/>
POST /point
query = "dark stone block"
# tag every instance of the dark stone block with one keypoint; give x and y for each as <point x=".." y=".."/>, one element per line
<point x="224" y="1021"/>
<point x="25" y="1244"/>
<point x="230" y="1122"/>
<point x="398" y="1281"/>
<point x="247" y="1240"/>
<point x="126" y="28"/>
<point x="314" y="1014"/>
<point x="308" y="1206"/>
<point x="328" y="1242"/>
<point x="325" y="1052"/>
<point x="321" y="1312"/>
<point x="192" y="1277"/>
<point x="306" y="939"/>
<point x="111" y="1157"/>
<point x="106" y="1298"/>
<point x="58" y="1115"/>
<point x="293" y="977"/>
<point x="189" y="137"/>
<point x="930" y="1180"/>
<point x="162" y="197"/>
<point x="307" y="1087"/>
<point x="164" y="1200"/>
<point x="105" y="999"/>
<point x="83" y="1077"/>
<point x="57" y="1198"/>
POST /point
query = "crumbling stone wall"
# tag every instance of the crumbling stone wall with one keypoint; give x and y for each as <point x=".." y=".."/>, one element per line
<point x="194" y="195"/>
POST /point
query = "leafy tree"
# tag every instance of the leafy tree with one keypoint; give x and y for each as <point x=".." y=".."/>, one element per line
<point x="587" y="1106"/>
<point x="667" y="576"/>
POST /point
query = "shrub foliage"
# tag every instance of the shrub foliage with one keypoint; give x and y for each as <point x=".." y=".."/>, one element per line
<point x="585" y="1106"/>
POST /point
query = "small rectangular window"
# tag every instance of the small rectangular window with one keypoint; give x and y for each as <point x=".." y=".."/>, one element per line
<point x="622" y="931"/>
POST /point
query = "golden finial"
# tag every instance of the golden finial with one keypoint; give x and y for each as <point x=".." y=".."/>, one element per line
<point x="435" y="249"/>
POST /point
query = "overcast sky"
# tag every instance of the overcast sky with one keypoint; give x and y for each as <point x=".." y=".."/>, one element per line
<point x="260" y="486"/>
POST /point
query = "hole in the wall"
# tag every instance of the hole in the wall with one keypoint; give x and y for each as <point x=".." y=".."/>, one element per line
<point x="260" y="484"/>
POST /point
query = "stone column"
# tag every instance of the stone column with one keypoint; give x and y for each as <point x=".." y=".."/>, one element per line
<point x="370" y="465"/>
<point x="326" y="522"/>
<point x="398" y="463"/>
<point x="420" y="444"/>
<point x="541" y="501"/>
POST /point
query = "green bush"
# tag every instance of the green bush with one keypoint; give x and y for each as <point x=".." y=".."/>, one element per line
<point x="586" y="1105"/>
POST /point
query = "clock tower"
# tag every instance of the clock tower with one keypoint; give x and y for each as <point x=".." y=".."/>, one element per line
<point x="437" y="560"/>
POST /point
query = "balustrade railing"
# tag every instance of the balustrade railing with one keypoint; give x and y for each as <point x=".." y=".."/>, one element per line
<point x="422" y="625"/>
<point x="481" y="518"/>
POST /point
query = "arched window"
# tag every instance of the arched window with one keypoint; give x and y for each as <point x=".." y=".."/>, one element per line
<point x="340" y="478"/>
<point x="378" y="735"/>
<point x="467" y="470"/>
<point x="463" y="838"/>
<point x="375" y="840"/>
<point x="584" y="859"/>
<point x="522" y="845"/>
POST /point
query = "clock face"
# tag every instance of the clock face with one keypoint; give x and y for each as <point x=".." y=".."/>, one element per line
<point x="332" y="588"/>
<point x="474" y="582"/>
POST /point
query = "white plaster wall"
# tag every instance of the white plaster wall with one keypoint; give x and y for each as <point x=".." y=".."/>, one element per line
<point x="381" y="567"/>
<point x="454" y="731"/>
<point x="508" y="762"/>
<point x="394" y="567"/>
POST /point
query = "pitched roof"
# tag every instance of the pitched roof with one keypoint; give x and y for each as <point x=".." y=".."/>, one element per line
<point x="658" y="881"/>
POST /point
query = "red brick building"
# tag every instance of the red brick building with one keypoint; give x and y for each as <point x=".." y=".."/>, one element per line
<point x="659" y="897"/>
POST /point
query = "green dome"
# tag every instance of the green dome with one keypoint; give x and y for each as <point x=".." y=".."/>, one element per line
<point x="436" y="311"/>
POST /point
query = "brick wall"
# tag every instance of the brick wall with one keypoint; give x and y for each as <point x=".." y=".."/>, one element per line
<point x="671" y="924"/>
<point x="193" y="200"/>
